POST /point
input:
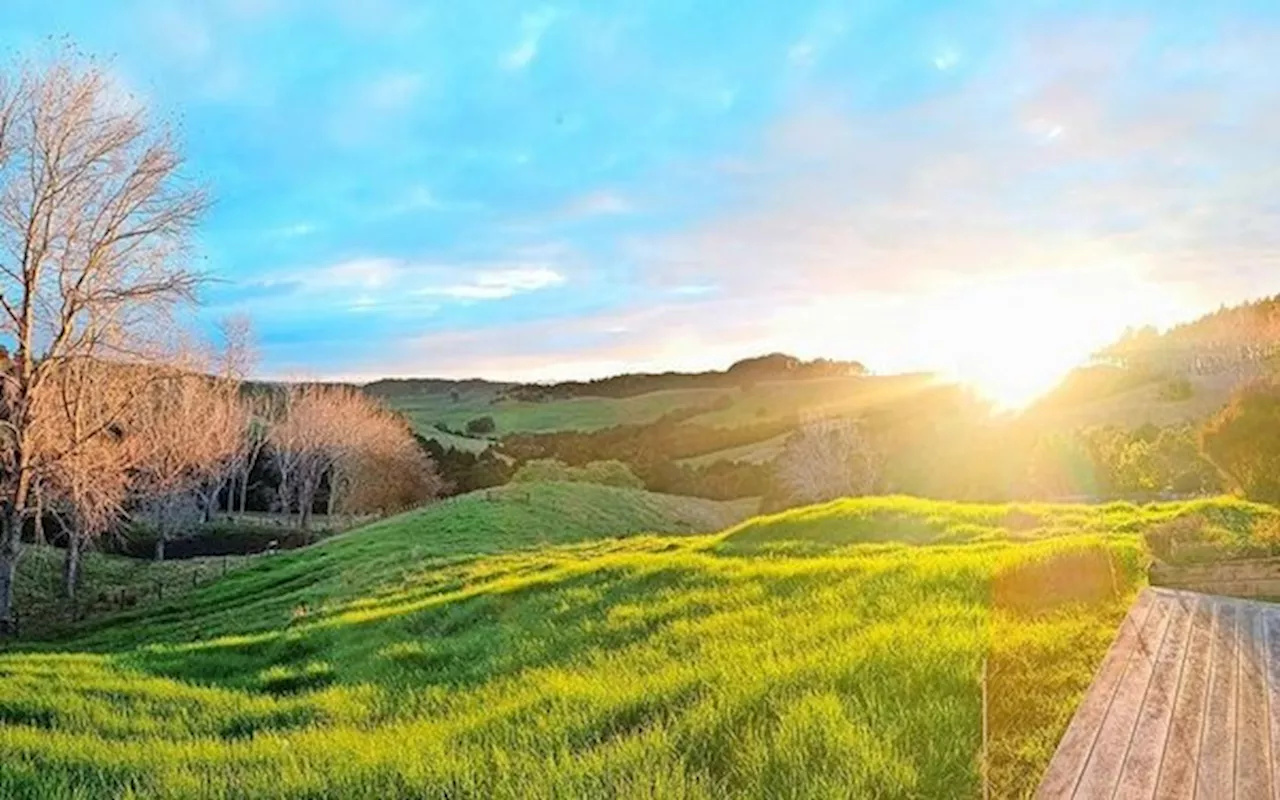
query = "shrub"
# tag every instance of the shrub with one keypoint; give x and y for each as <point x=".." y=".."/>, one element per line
<point x="1244" y="441"/>
<point x="610" y="473"/>
<point x="481" y="426"/>
<point x="542" y="470"/>
<point x="604" y="473"/>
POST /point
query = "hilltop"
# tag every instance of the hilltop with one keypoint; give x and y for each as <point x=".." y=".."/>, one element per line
<point x="533" y="643"/>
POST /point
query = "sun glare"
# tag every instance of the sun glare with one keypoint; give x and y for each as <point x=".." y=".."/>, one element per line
<point x="1013" y="338"/>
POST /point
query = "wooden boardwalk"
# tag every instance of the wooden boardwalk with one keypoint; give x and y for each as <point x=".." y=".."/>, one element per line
<point x="1186" y="704"/>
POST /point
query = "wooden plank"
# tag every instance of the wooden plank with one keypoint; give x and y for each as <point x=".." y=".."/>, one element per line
<point x="1077" y="743"/>
<point x="1186" y="704"/>
<point x="1215" y="774"/>
<point x="1141" y="771"/>
<point x="1271" y="645"/>
<point x="1253" y="742"/>
<point x="1101" y="774"/>
<point x="1182" y="745"/>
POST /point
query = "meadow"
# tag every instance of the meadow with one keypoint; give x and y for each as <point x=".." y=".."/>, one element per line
<point x="570" y="640"/>
<point x="760" y="402"/>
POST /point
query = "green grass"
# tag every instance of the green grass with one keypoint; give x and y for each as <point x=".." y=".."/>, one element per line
<point x="467" y="443"/>
<point x="108" y="584"/>
<point x="754" y="453"/>
<point x="769" y="400"/>
<point x="582" y="414"/>
<point x="534" y="643"/>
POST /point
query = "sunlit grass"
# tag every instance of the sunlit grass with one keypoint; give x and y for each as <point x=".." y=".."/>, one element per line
<point x="788" y="657"/>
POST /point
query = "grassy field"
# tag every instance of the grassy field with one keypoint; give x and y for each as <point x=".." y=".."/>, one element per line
<point x="754" y="453"/>
<point x="533" y="642"/>
<point x="759" y="403"/>
<point x="583" y="413"/>
<point x="1143" y="404"/>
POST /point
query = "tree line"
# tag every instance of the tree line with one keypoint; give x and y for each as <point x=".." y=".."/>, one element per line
<point x="746" y="372"/>
<point x="111" y="412"/>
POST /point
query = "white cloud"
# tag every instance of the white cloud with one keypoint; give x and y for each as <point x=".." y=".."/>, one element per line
<point x="363" y="273"/>
<point x="946" y="59"/>
<point x="366" y="284"/>
<point x="498" y="284"/>
<point x="295" y="230"/>
<point x="533" y="26"/>
<point x="1078" y="148"/>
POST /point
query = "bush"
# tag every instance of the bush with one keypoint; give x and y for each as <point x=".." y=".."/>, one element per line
<point x="1244" y="441"/>
<point x="481" y="426"/>
<point x="603" y="473"/>
<point x="610" y="473"/>
<point x="543" y="470"/>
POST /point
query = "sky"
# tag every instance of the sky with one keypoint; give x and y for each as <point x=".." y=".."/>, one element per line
<point x="555" y="190"/>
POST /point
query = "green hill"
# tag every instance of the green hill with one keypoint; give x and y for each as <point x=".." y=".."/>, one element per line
<point x="532" y="642"/>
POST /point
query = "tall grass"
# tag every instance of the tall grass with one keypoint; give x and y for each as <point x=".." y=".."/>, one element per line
<point x="421" y="657"/>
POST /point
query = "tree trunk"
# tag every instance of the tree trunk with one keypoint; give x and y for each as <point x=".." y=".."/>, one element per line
<point x="286" y="506"/>
<point x="39" y="523"/>
<point x="244" y="490"/>
<point x="304" y="511"/>
<point x="71" y="565"/>
<point x="161" y="530"/>
<point x="10" y="546"/>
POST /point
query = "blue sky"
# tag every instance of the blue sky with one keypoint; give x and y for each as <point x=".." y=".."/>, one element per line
<point x="546" y="190"/>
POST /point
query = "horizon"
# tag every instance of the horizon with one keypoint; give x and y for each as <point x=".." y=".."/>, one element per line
<point x="557" y="192"/>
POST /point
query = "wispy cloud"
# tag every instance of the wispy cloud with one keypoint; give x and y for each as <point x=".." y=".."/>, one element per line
<point x="533" y="26"/>
<point x="497" y="284"/>
<point x="382" y="283"/>
<point x="1053" y="171"/>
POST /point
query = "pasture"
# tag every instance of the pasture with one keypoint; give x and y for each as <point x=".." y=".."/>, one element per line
<point x="548" y="641"/>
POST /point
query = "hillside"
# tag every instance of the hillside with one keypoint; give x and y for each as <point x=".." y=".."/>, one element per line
<point x="510" y="645"/>
<point x="756" y="404"/>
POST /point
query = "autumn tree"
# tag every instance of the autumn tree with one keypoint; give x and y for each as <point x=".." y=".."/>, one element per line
<point x="94" y="222"/>
<point x="342" y="436"/>
<point x="188" y="430"/>
<point x="1243" y="441"/>
<point x="826" y="459"/>
<point x="86" y="485"/>
<point x="386" y="470"/>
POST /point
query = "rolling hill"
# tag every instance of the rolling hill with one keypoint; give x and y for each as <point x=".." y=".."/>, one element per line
<point x="533" y="642"/>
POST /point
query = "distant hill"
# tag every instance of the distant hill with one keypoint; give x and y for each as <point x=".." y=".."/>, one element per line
<point x="1243" y="339"/>
<point x="1182" y="374"/>
<point x="771" y="367"/>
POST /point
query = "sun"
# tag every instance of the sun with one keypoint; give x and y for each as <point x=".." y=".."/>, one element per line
<point x="1014" y="337"/>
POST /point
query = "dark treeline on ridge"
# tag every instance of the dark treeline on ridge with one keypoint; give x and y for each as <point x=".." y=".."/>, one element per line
<point x="772" y="367"/>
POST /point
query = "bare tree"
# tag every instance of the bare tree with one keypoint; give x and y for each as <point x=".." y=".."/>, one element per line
<point x="826" y="459"/>
<point x="343" y="436"/>
<point x="94" y="223"/>
<point x="316" y="431"/>
<point x="188" y="432"/>
<point x="387" y="471"/>
<point x="88" y="483"/>
<point x="234" y="421"/>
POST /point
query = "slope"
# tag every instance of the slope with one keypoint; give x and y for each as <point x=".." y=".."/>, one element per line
<point x="512" y="646"/>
